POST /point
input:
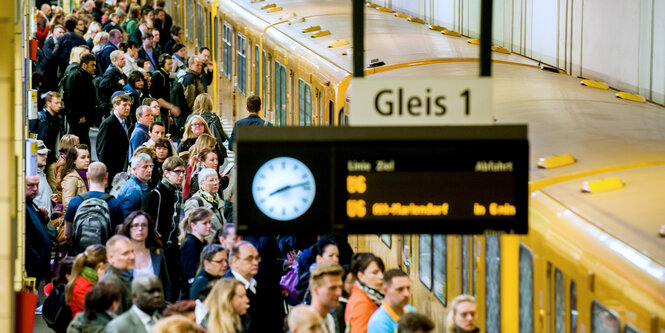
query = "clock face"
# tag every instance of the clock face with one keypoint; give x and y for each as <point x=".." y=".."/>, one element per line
<point x="283" y="188"/>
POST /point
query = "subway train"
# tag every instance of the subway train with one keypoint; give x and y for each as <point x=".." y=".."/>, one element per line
<point x="594" y="257"/>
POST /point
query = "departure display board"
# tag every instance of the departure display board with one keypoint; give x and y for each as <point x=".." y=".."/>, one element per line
<point x="440" y="180"/>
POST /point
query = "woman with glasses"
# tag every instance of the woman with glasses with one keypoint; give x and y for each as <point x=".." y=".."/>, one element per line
<point x="214" y="262"/>
<point x="193" y="230"/>
<point x="208" y="197"/>
<point x="139" y="227"/>
<point x="194" y="127"/>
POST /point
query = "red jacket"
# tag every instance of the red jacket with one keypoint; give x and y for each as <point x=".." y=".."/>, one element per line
<point x="358" y="310"/>
<point x="81" y="287"/>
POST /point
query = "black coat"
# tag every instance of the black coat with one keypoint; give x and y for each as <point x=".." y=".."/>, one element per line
<point x="155" y="57"/>
<point x="265" y="313"/>
<point x="109" y="84"/>
<point x="80" y="95"/>
<point x="64" y="47"/>
<point x="113" y="145"/>
<point x="47" y="128"/>
<point x="49" y="65"/>
<point x="37" y="243"/>
<point x="159" y="203"/>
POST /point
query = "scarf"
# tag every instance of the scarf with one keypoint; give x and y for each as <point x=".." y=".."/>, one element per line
<point x="89" y="274"/>
<point x="178" y="210"/>
<point x="373" y="294"/>
<point x="213" y="199"/>
<point x="84" y="175"/>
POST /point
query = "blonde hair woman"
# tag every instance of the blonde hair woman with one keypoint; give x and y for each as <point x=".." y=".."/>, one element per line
<point x="99" y="41"/>
<point x="94" y="28"/>
<point x="88" y="268"/>
<point x="226" y="302"/>
<point x="194" y="127"/>
<point x="193" y="167"/>
<point x="462" y="315"/>
<point x="203" y="106"/>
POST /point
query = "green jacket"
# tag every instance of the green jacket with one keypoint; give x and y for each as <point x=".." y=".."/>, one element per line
<point x="82" y="325"/>
<point x="124" y="280"/>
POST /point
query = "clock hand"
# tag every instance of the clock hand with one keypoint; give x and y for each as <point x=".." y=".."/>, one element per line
<point x="288" y="187"/>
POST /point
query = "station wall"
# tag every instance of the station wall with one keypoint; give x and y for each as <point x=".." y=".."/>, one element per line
<point x="618" y="42"/>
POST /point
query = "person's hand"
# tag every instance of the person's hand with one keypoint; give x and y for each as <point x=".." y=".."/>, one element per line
<point x="122" y="82"/>
<point x="82" y="120"/>
<point x="291" y="256"/>
<point x="44" y="212"/>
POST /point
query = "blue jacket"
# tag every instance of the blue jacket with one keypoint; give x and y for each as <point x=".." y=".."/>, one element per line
<point x="385" y="321"/>
<point x="251" y="120"/>
<point x="139" y="137"/>
<point x="131" y="195"/>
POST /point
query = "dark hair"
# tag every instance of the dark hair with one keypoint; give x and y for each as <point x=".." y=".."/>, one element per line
<point x="208" y="252"/>
<point x="360" y="262"/>
<point x="145" y="11"/>
<point x="413" y="322"/>
<point x="147" y="35"/>
<point x="253" y="103"/>
<point x="140" y="62"/>
<point x="203" y="48"/>
<point x="87" y="58"/>
<point x="180" y="307"/>
<point x="70" y="159"/>
<point x="155" y="123"/>
<point x="70" y="23"/>
<point x="100" y="298"/>
<point x="131" y="43"/>
<point x="147" y="101"/>
<point x="115" y="33"/>
<point x="121" y="98"/>
<point x="152" y="241"/>
<point x="321" y="246"/>
<point x="165" y="143"/>
<point x="392" y="273"/>
<point x="65" y="268"/>
<point x="163" y="58"/>
<point x="177" y="47"/>
<point x="175" y="30"/>
<point x="133" y="77"/>
<point x="204" y="153"/>
<point x="223" y="232"/>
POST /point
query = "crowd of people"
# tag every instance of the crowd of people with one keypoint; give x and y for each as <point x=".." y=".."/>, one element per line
<point x="142" y="239"/>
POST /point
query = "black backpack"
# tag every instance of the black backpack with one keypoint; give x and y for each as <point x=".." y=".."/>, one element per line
<point x="92" y="222"/>
<point x="55" y="311"/>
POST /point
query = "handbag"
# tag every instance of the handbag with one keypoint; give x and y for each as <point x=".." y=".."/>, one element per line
<point x="290" y="280"/>
<point x="57" y="231"/>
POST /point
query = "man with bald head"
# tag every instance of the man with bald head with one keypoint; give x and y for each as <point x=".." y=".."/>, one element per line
<point x="148" y="298"/>
<point x="37" y="242"/>
<point x="98" y="180"/>
<point x="120" y="255"/>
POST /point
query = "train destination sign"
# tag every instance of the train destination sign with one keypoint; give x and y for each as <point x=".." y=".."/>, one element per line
<point x="446" y="180"/>
<point x="420" y="101"/>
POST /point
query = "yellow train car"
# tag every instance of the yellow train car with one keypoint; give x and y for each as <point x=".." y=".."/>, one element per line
<point x="593" y="260"/>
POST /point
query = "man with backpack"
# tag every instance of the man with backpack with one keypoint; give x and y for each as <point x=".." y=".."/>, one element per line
<point x="92" y="217"/>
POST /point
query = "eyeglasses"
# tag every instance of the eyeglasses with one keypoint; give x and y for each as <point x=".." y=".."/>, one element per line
<point x="139" y="226"/>
<point x="250" y="259"/>
<point x="178" y="172"/>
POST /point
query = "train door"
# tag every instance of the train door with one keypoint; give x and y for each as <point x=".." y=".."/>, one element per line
<point x="492" y="284"/>
<point x="319" y="107"/>
<point x="562" y="302"/>
<point x="265" y="63"/>
<point x="526" y="290"/>
<point x="242" y="64"/>
<point x="304" y="103"/>
<point x="290" y="99"/>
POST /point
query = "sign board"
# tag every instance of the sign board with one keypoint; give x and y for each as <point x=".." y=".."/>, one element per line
<point x="420" y="102"/>
<point x="33" y="108"/>
<point x="439" y="180"/>
<point x="30" y="157"/>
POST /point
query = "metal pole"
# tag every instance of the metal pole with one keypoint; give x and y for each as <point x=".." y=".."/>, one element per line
<point x="358" y="21"/>
<point x="486" y="38"/>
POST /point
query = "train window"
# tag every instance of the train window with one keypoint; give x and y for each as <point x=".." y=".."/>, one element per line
<point x="256" y="70"/>
<point x="573" y="307"/>
<point x="343" y="118"/>
<point x="526" y="290"/>
<point x="242" y="63"/>
<point x="199" y="28"/>
<point x="305" y="103"/>
<point x="425" y="260"/>
<point x="265" y="73"/>
<point x="190" y="23"/>
<point x="603" y="320"/>
<point x="280" y="94"/>
<point x="387" y="239"/>
<point x="227" y="50"/>
<point x="319" y="107"/>
<point x="465" y="264"/>
<point x="331" y="113"/>
<point x="215" y="38"/>
<point x="492" y="284"/>
<point x="406" y="253"/>
<point x="559" y="311"/>
<point x="473" y="263"/>
<point x="440" y="260"/>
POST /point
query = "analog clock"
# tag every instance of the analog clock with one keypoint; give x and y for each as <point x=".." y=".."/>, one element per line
<point x="283" y="188"/>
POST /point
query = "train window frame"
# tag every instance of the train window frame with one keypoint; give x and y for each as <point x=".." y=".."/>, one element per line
<point x="595" y="304"/>
<point x="264" y="64"/>
<point x="558" y="302"/>
<point x="241" y="48"/>
<point x="440" y="268"/>
<point x="407" y="252"/>
<point x="199" y="26"/>
<point x="387" y="239"/>
<point x="425" y="255"/>
<point x="474" y="267"/>
<point x="572" y="300"/>
<point x="526" y="295"/>
<point x="280" y="94"/>
<point x="304" y="103"/>
<point x="215" y="37"/>
<point x="319" y="107"/>
<point x="629" y="328"/>
<point x="465" y="264"/>
<point x="228" y="34"/>
<point x="492" y="283"/>
<point x="257" y="63"/>
<point x="190" y="23"/>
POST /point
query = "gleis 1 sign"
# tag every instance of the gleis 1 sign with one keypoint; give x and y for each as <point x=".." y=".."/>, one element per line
<point x="420" y="102"/>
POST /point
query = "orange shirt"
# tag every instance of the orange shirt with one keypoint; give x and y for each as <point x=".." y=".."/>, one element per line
<point x="358" y="311"/>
